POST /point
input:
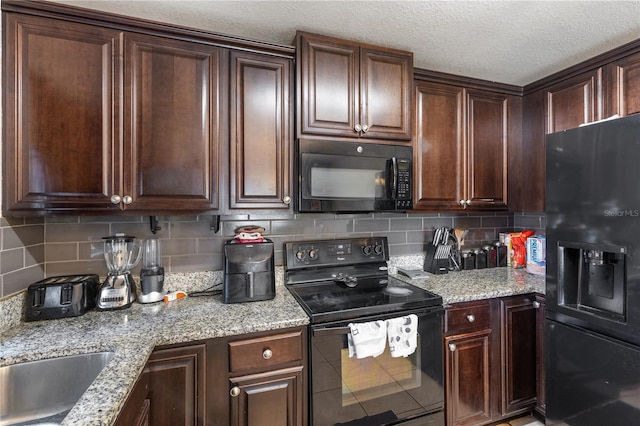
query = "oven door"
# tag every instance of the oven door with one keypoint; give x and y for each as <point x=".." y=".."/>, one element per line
<point x="380" y="390"/>
<point x="348" y="177"/>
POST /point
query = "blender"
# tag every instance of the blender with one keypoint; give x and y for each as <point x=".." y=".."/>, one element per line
<point x="152" y="273"/>
<point x="118" y="291"/>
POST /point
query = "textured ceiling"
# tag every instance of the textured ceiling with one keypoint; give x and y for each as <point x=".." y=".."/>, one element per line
<point x="515" y="42"/>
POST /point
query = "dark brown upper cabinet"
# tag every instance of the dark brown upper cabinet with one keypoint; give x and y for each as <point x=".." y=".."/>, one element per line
<point x="351" y="90"/>
<point x="77" y="140"/>
<point x="61" y="147"/>
<point x="574" y="101"/>
<point x="260" y="151"/>
<point x="171" y="141"/>
<point x="460" y="148"/>
<point x="438" y="146"/>
<point x="622" y="86"/>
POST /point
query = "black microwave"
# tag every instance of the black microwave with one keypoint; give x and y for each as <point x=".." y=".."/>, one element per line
<point x="348" y="177"/>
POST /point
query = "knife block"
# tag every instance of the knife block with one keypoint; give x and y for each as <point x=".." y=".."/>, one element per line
<point x="436" y="259"/>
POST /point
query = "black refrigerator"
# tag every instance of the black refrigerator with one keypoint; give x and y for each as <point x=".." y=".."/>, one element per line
<point x="593" y="274"/>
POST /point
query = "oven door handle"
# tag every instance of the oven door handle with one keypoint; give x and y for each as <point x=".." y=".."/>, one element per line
<point x="331" y="331"/>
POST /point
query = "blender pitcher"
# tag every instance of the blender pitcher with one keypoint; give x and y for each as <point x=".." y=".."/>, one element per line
<point x="152" y="273"/>
<point x="121" y="253"/>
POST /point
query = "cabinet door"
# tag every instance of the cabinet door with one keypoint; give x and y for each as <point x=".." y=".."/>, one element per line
<point x="273" y="398"/>
<point x="386" y="83"/>
<point x="260" y="148"/>
<point x="136" y="410"/>
<point x="438" y="146"/>
<point x="60" y="132"/>
<point x="573" y="102"/>
<point x="518" y="348"/>
<point x="177" y="386"/>
<point x="541" y="399"/>
<point x="327" y="86"/>
<point x="172" y="98"/>
<point x="622" y="84"/>
<point x="467" y="378"/>
<point x="487" y="139"/>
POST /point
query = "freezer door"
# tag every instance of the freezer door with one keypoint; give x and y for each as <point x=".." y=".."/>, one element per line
<point x="592" y="380"/>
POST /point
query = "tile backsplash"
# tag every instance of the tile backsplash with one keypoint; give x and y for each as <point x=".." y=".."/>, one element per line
<point x="36" y="248"/>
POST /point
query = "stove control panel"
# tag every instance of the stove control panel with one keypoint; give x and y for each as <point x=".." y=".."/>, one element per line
<point x="353" y="251"/>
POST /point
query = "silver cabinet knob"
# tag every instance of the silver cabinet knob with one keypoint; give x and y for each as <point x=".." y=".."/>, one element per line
<point x="536" y="304"/>
<point x="471" y="318"/>
<point x="235" y="391"/>
<point x="127" y="199"/>
<point x="461" y="202"/>
<point x="286" y="199"/>
<point x="357" y="128"/>
<point x="365" y="128"/>
<point x="452" y="347"/>
<point x="267" y="354"/>
<point x="115" y="199"/>
<point x="468" y="202"/>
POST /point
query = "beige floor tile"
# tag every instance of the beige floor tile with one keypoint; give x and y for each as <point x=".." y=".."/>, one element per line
<point x="525" y="421"/>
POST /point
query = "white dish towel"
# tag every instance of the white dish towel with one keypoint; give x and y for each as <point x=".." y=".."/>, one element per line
<point x="367" y="339"/>
<point x="403" y="335"/>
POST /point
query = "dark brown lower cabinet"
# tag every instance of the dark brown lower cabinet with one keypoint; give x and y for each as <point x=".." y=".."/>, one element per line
<point x="271" y="398"/>
<point x="494" y="361"/>
<point x="259" y="379"/>
<point x="467" y="363"/>
<point x="518" y="353"/>
<point x="541" y="403"/>
<point x="136" y="410"/>
<point x="177" y="385"/>
<point x="467" y="370"/>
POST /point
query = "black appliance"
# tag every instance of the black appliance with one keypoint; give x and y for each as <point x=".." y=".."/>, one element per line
<point x="338" y="282"/>
<point x="593" y="274"/>
<point x="61" y="297"/>
<point x="248" y="272"/>
<point x="353" y="177"/>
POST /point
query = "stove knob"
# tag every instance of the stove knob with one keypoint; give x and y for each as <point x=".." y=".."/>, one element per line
<point x="299" y="255"/>
<point x="313" y="254"/>
<point x="377" y="249"/>
<point x="367" y="250"/>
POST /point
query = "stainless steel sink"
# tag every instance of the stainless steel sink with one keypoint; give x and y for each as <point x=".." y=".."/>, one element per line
<point x="43" y="392"/>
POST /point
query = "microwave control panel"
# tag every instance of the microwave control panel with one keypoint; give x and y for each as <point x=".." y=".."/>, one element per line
<point x="403" y="197"/>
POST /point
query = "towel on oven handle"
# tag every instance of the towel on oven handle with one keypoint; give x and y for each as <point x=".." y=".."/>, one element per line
<point x="403" y="335"/>
<point x="367" y="339"/>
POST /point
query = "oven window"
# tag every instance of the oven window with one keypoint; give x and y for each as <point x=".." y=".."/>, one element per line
<point x="376" y="390"/>
<point x="371" y="378"/>
<point x="346" y="183"/>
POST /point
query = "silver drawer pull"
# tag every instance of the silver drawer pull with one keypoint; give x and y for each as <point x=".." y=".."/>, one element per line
<point x="235" y="391"/>
<point x="471" y="318"/>
<point x="267" y="354"/>
<point x="452" y="347"/>
<point x="536" y="304"/>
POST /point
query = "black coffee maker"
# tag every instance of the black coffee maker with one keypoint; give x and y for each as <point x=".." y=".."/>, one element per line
<point x="248" y="271"/>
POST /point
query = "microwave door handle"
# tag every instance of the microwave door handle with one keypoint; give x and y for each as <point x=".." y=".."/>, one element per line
<point x="394" y="178"/>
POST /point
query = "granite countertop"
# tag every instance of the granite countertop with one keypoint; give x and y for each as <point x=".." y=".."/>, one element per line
<point x="464" y="286"/>
<point x="134" y="332"/>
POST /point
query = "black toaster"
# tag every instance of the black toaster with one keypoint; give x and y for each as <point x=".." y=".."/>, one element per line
<point x="248" y="272"/>
<point x="61" y="297"/>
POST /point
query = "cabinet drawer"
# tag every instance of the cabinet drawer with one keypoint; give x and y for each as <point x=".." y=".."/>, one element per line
<point x="467" y="317"/>
<point x="265" y="351"/>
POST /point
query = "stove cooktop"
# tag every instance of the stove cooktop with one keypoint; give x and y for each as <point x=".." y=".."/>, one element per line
<point x="336" y="280"/>
<point x="331" y="301"/>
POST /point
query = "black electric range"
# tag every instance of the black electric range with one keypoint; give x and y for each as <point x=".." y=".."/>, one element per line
<point x="343" y="279"/>
<point x="342" y="282"/>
